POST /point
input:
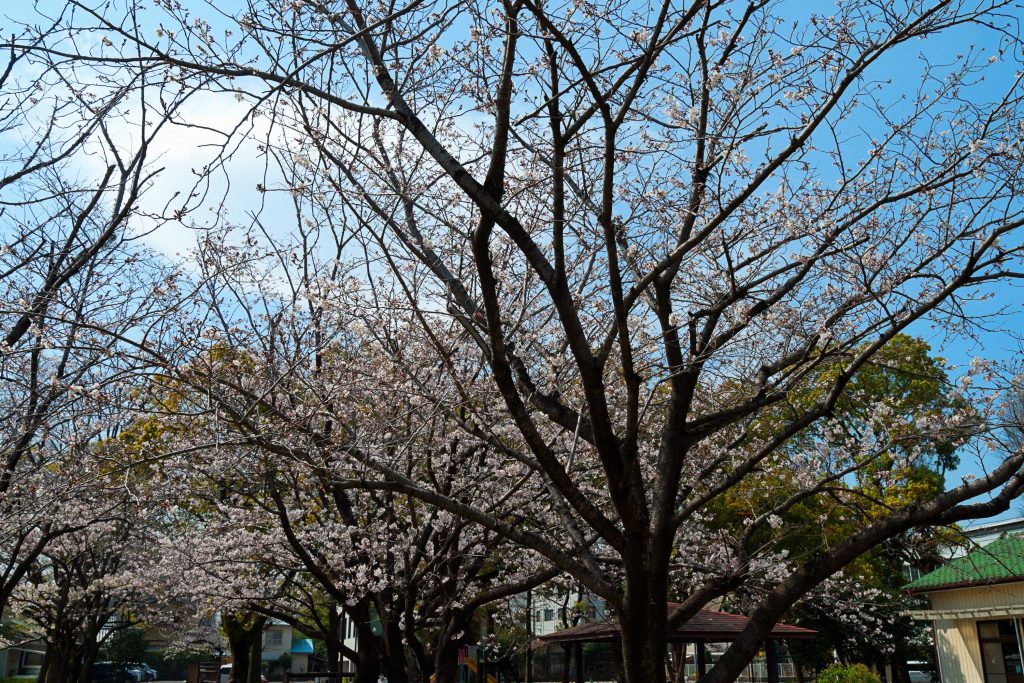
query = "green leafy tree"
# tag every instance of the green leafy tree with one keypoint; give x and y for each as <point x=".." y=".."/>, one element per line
<point x="893" y="436"/>
<point x="125" y="646"/>
<point x="855" y="673"/>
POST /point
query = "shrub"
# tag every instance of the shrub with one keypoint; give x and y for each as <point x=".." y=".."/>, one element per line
<point x="854" y="673"/>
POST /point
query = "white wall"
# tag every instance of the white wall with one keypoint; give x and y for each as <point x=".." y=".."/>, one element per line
<point x="956" y="641"/>
<point x="271" y="649"/>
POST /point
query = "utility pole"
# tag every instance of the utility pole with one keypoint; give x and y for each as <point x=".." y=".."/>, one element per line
<point x="529" y="635"/>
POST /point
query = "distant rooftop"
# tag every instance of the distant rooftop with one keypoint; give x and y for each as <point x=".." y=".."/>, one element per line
<point x="302" y="646"/>
<point x="994" y="526"/>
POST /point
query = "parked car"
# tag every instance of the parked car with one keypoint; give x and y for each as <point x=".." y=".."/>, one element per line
<point x="148" y="672"/>
<point x="138" y="674"/>
<point x="922" y="672"/>
<point x="225" y="674"/>
<point x="108" y="672"/>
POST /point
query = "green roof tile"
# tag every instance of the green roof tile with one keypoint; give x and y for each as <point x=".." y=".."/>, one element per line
<point x="999" y="561"/>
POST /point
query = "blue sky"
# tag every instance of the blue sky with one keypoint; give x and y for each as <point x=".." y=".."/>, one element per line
<point x="186" y="149"/>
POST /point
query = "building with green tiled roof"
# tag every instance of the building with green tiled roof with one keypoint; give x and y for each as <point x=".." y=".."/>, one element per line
<point x="1000" y="561"/>
<point x="976" y="606"/>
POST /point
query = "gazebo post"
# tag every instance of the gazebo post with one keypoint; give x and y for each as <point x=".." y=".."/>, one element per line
<point x="771" y="656"/>
<point x="706" y="625"/>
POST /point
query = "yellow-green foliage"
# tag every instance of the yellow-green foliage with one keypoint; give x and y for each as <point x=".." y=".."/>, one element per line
<point x="913" y="385"/>
<point x="854" y="673"/>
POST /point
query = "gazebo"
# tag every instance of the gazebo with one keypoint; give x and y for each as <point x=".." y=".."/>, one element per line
<point x="707" y="626"/>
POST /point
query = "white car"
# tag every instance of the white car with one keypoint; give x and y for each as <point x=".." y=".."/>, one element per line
<point x="225" y="674"/>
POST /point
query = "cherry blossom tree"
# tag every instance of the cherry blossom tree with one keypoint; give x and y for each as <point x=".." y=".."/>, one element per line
<point x="619" y="235"/>
<point x="71" y="278"/>
<point x="249" y="435"/>
<point x="79" y="584"/>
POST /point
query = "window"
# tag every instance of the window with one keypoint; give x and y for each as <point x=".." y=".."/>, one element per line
<point x="549" y="615"/>
<point x="1000" y="651"/>
<point x="273" y="638"/>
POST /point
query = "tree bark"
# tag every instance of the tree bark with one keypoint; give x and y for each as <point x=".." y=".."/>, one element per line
<point x="256" y="650"/>
<point x="900" y="673"/>
<point x="58" y="663"/>
<point x="395" y="664"/>
<point x="643" y="621"/>
<point x="244" y="633"/>
<point x="367" y="664"/>
<point x="333" y="640"/>
<point x="89" y="650"/>
<point x="446" y="653"/>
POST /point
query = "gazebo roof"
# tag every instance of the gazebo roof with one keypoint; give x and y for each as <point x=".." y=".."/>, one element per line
<point x="707" y="626"/>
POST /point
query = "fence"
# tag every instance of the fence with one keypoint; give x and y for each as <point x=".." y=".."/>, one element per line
<point x="203" y="672"/>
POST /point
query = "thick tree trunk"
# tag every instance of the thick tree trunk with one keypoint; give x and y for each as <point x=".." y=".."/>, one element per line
<point x="244" y="635"/>
<point x="900" y="673"/>
<point x="41" y="677"/>
<point x="256" y="651"/>
<point x="446" y="664"/>
<point x="395" y="664"/>
<point x="446" y="654"/>
<point x="58" y="664"/>
<point x="368" y="652"/>
<point x="643" y="655"/>
<point x="88" y="652"/>
<point x="333" y="640"/>
<point x="60" y="654"/>
<point x="643" y="620"/>
<point x="367" y="664"/>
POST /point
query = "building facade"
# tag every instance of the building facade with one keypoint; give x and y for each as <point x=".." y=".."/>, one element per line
<point x="286" y="650"/>
<point x="21" y="650"/>
<point x="976" y="607"/>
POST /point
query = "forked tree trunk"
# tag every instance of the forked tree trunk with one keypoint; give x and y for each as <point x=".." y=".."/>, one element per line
<point x="244" y="638"/>
<point x="446" y="656"/>
<point x="88" y="651"/>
